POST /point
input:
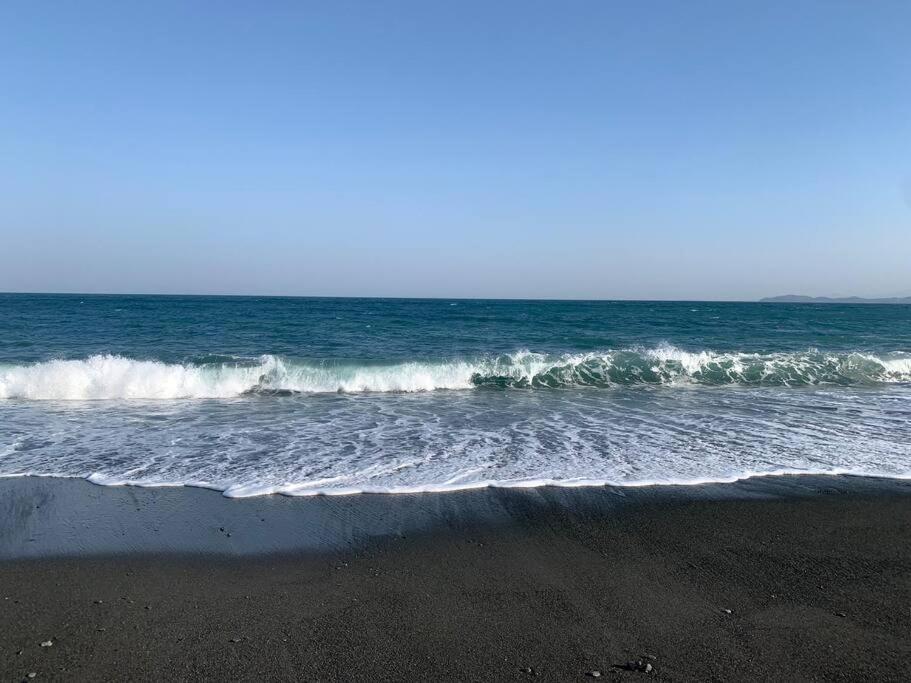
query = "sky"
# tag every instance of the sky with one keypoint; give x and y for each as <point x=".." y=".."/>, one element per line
<point x="645" y="150"/>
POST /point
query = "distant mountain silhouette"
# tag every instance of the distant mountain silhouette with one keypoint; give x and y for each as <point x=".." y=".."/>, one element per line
<point x="801" y="299"/>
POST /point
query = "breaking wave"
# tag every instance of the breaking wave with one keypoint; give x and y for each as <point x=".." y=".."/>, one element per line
<point x="117" y="377"/>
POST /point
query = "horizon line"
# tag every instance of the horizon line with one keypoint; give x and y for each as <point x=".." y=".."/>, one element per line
<point x="400" y="298"/>
<point x="778" y="298"/>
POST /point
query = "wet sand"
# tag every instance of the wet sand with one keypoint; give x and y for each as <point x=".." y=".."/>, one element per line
<point x="778" y="578"/>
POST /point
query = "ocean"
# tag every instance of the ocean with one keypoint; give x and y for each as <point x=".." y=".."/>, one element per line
<point x="259" y="395"/>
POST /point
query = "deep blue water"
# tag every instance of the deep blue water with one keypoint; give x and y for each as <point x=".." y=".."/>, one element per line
<point x="259" y="394"/>
<point x="190" y="328"/>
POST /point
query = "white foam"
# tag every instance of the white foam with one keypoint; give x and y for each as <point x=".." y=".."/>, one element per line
<point x="312" y="489"/>
<point x="442" y="441"/>
<point x="898" y="369"/>
<point x="117" y="377"/>
<point x="111" y="377"/>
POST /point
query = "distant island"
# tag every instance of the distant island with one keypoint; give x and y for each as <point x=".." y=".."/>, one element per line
<point x="801" y="299"/>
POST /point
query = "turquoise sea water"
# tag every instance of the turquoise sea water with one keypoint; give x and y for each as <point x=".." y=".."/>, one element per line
<point x="253" y="395"/>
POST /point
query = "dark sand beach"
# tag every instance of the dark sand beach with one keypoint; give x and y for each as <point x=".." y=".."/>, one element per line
<point x="788" y="578"/>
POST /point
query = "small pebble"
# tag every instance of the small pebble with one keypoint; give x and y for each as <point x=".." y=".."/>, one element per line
<point x="594" y="674"/>
<point x="840" y="614"/>
<point x="47" y="643"/>
<point x="726" y="611"/>
<point x="638" y="665"/>
<point x="32" y="674"/>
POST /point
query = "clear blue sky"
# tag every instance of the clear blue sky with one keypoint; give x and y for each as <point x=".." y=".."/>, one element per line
<point x="718" y="150"/>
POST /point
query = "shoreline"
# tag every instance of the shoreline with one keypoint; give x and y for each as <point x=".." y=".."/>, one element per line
<point x="788" y="577"/>
<point x="301" y="491"/>
<point x="48" y="516"/>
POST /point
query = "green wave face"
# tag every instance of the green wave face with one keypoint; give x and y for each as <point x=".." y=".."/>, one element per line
<point x="667" y="366"/>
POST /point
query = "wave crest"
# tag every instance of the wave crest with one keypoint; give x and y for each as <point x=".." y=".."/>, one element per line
<point x="117" y="377"/>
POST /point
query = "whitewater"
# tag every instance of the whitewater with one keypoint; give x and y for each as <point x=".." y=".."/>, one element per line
<point x="115" y="377"/>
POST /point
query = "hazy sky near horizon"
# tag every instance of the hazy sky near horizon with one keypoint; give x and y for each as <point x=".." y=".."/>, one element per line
<point x="720" y="150"/>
